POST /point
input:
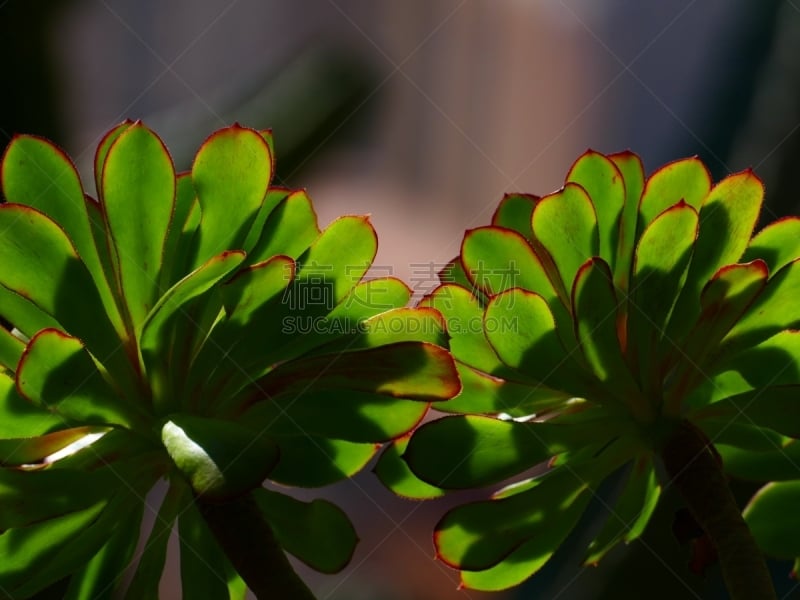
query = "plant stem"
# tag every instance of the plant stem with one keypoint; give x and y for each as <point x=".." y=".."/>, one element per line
<point x="248" y="541"/>
<point x="695" y="470"/>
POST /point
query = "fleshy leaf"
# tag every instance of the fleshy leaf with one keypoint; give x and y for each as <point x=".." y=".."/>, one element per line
<point x="15" y="452"/>
<point x="203" y="562"/>
<point x="482" y="450"/>
<point x="57" y="373"/>
<point x="660" y="265"/>
<point x="231" y="174"/>
<point x="774" y="520"/>
<point x="565" y="223"/>
<point x="289" y="230"/>
<point x="21" y="419"/>
<point x="632" y="171"/>
<point x="138" y="196"/>
<point x="316" y="532"/>
<point x="603" y="181"/>
<point x="515" y="211"/>
<point x="782" y="463"/>
<point x="11" y="348"/>
<point x="776" y="407"/>
<point x="102" y="152"/>
<point x="686" y="180"/>
<point x="396" y="475"/>
<point x="631" y="511"/>
<point x="777" y="244"/>
<point x="177" y="239"/>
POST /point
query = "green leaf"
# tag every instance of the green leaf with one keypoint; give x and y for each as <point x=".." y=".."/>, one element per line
<point x="23" y="314"/>
<point x="102" y="577"/>
<point x="312" y="461"/>
<point x="565" y="223"/>
<point x="521" y="329"/>
<point x="32" y="549"/>
<point x="21" y="419"/>
<point x="594" y="305"/>
<point x="774" y="310"/>
<point x="686" y="180"/>
<point x="203" y="562"/>
<point x="631" y="510"/>
<point x="38" y="174"/>
<point x="472" y="451"/>
<point x="138" y="197"/>
<point x="463" y="314"/>
<point x="603" y="181"/>
<point x="11" y="348"/>
<point x="231" y="174"/>
<point x="273" y="197"/>
<point x="515" y="211"/>
<point x="727" y="218"/>
<point x="739" y="432"/>
<point x="774" y="520"/>
<point x="414" y="370"/>
<point x="633" y="174"/>
<point x="782" y="463"/>
<point x="15" y="452"/>
<point x="395" y="474"/>
<point x="144" y="585"/>
<point x="317" y="532"/>
<point x="57" y="373"/>
<point x="453" y="273"/>
<point x="777" y="244"/>
<point x="221" y="459"/>
<point x="102" y="152"/>
<point x="660" y="265"/>
<point x="289" y="230"/>
<point x="497" y="260"/>
<point x="55" y="280"/>
<point x="776" y="407"/>
<point x="178" y="240"/>
<point x="487" y="394"/>
<point x="479" y="535"/>
<point x="159" y="326"/>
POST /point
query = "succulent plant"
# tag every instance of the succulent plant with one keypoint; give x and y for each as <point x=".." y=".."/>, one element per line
<point x="197" y="329"/>
<point x="617" y="323"/>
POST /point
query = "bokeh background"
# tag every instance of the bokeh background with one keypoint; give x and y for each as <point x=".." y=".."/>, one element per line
<point x="423" y="113"/>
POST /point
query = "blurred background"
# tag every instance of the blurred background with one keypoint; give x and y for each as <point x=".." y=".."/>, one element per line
<point x="422" y="114"/>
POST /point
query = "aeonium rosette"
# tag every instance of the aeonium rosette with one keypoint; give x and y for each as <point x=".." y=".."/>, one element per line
<point x="197" y="327"/>
<point x="612" y="315"/>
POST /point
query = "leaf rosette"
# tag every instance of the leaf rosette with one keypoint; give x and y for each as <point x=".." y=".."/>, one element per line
<point x="198" y="327"/>
<point x="586" y="326"/>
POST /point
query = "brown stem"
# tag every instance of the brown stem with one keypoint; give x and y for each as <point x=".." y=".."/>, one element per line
<point x="694" y="469"/>
<point x="250" y="545"/>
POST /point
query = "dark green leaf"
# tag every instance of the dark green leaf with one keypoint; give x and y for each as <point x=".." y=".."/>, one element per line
<point x="289" y="230"/>
<point x="776" y="407"/>
<point x="21" y="419"/>
<point x="782" y="463"/>
<point x="633" y="173"/>
<point x="203" y="563"/>
<point x="395" y="474"/>
<point x="774" y="520"/>
<point x="316" y="532"/>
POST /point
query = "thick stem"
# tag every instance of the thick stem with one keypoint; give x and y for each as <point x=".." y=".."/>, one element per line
<point x="250" y="545"/>
<point x="695" y="471"/>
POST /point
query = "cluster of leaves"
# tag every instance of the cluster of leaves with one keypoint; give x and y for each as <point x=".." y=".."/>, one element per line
<point x="611" y="310"/>
<point x="154" y="335"/>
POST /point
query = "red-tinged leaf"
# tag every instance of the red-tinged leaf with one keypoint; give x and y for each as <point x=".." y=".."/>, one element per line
<point x="603" y="181"/>
<point x="413" y="370"/>
<point x="659" y="270"/>
<point x="687" y="179"/>
<point x="632" y="171"/>
<point x="21" y="419"/>
<point x="138" y="198"/>
<point x="497" y="259"/>
<point x="38" y="174"/>
<point x="231" y="175"/>
<point x="453" y="273"/>
<point x="515" y="211"/>
<point x="289" y="230"/>
<point x="395" y="474"/>
<point x="55" y="280"/>
<point x="487" y="394"/>
<point x="777" y="244"/>
<point x="727" y="218"/>
<point x="185" y="199"/>
<point x="522" y="331"/>
<point x="102" y="152"/>
<point x="565" y="224"/>
<point x="57" y="373"/>
<point x="15" y="452"/>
